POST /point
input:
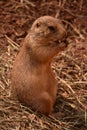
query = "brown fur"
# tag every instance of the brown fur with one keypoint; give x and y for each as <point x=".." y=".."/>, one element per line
<point x="32" y="77"/>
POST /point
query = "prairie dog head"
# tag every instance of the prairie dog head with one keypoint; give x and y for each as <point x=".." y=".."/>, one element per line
<point x="45" y="38"/>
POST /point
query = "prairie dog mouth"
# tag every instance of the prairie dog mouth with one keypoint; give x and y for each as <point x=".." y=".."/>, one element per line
<point x="61" y="41"/>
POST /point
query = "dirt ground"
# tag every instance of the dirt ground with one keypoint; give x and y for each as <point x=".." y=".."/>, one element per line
<point x="70" y="110"/>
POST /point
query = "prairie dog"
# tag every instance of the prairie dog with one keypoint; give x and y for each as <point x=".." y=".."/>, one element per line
<point x="33" y="80"/>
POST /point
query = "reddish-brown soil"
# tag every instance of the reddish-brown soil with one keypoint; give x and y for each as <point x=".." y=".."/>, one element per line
<point x="70" y="110"/>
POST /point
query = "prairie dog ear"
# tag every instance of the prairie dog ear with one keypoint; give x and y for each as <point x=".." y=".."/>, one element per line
<point x="51" y="28"/>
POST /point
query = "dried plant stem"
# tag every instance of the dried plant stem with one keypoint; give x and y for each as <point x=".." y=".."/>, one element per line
<point x="12" y="43"/>
<point x="75" y="29"/>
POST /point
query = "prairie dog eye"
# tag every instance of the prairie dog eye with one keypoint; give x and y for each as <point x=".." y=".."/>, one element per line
<point x="51" y="28"/>
<point x="38" y="25"/>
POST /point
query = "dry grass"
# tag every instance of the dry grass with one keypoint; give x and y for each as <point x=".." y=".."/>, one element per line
<point x="71" y="105"/>
<point x="70" y="110"/>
